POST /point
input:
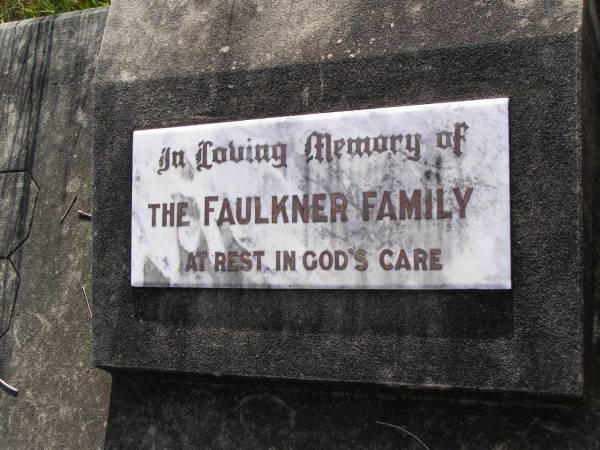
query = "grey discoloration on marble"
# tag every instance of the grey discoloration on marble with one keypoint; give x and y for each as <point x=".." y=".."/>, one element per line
<point x="18" y="195"/>
<point x="46" y="67"/>
<point x="451" y="157"/>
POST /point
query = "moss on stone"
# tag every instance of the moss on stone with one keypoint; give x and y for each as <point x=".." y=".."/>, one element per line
<point x="26" y="9"/>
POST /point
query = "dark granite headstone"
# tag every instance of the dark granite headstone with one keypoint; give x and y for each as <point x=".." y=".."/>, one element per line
<point x="192" y="63"/>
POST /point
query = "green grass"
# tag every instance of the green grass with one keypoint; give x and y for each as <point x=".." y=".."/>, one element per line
<point x="26" y="9"/>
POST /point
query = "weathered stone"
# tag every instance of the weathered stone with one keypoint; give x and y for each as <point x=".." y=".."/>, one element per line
<point x="46" y="68"/>
<point x="21" y="96"/>
<point x="192" y="63"/>
<point x="352" y="226"/>
<point x="18" y="195"/>
<point x="47" y="354"/>
<point x="9" y="286"/>
<point x="183" y="413"/>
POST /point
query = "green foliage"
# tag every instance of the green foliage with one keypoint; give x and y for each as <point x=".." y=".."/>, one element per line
<point x="26" y="9"/>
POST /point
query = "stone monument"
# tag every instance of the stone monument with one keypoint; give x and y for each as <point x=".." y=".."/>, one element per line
<point x="359" y="192"/>
<point x="404" y="254"/>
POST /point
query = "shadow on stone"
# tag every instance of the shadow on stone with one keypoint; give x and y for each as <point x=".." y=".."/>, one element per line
<point x="160" y="411"/>
<point x="18" y="195"/>
<point x="9" y="287"/>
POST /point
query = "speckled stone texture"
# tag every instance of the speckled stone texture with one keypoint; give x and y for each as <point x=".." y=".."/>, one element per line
<point x="193" y="63"/>
<point x="46" y="69"/>
<point x="18" y="195"/>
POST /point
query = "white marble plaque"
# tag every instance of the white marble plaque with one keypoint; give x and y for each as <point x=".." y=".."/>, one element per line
<point x="413" y="197"/>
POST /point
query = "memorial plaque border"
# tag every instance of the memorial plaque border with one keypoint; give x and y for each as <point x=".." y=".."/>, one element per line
<point x="513" y="343"/>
